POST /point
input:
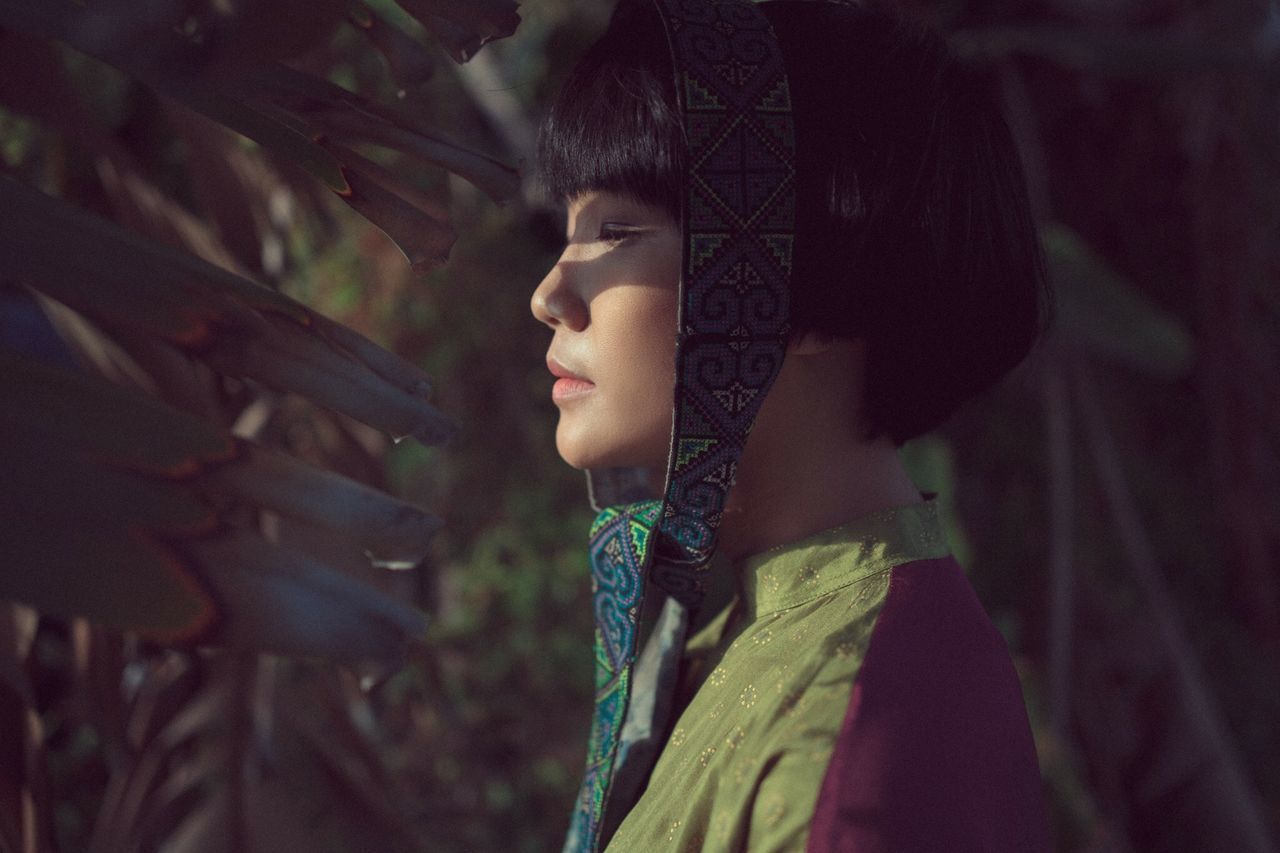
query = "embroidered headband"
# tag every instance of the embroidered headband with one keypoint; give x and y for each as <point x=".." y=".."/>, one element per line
<point x="738" y="215"/>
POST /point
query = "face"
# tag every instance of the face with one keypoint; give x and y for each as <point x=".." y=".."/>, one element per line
<point x="611" y="301"/>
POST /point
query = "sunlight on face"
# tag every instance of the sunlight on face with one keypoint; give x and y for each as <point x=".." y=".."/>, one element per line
<point x="611" y="300"/>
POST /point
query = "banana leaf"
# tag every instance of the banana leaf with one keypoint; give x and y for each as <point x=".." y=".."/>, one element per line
<point x="334" y="111"/>
<point x="237" y="327"/>
<point x="232" y="95"/>
<point x="139" y="516"/>
<point x="407" y="59"/>
<point x="464" y="26"/>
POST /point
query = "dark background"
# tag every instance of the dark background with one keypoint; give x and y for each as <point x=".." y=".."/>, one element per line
<point x="1116" y="501"/>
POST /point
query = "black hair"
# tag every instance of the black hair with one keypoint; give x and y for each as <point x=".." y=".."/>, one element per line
<point x="615" y="124"/>
<point x="913" y="228"/>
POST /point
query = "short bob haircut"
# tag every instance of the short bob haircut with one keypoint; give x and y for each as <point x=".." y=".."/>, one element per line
<point x="914" y="232"/>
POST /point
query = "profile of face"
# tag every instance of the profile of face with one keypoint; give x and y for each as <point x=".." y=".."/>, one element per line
<point x="612" y="301"/>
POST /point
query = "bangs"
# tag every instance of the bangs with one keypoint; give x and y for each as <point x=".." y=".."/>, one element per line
<point x="615" y="125"/>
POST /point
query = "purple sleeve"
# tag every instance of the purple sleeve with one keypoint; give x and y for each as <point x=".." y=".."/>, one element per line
<point x="935" y="752"/>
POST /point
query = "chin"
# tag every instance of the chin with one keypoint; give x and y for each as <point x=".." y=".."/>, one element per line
<point x="572" y="455"/>
<point x="575" y="448"/>
<point x="586" y="449"/>
<point x="582" y="453"/>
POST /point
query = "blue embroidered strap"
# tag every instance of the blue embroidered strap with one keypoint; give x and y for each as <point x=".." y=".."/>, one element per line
<point x="738" y="221"/>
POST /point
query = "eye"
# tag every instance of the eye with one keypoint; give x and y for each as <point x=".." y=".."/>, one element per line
<point x="614" y="233"/>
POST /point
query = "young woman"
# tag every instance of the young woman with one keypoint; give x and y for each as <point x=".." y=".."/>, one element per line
<point x="803" y="222"/>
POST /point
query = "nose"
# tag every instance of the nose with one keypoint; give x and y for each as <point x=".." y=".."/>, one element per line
<point x="555" y="302"/>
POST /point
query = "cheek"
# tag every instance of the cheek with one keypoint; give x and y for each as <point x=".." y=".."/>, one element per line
<point x="640" y="349"/>
<point x="634" y="332"/>
<point x="637" y="341"/>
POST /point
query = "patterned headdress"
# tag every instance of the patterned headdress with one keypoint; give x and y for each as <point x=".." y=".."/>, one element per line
<point x="738" y="213"/>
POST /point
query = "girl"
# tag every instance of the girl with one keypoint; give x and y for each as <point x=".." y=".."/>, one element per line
<point x="801" y="222"/>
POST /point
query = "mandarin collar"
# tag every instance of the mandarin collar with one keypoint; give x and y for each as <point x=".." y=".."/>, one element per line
<point x="797" y="572"/>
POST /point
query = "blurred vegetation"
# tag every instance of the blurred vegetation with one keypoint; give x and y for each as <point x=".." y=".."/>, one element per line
<point x="1116" y="501"/>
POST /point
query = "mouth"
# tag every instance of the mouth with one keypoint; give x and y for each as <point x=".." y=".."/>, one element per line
<point x="569" y="385"/>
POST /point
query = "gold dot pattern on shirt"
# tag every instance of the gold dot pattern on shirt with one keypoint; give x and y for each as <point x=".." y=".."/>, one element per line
<point x="773" y="809"/>
<point x="747" y="756"/>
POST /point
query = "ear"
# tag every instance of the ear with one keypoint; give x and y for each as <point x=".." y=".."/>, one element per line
<point x="809" y="343"/>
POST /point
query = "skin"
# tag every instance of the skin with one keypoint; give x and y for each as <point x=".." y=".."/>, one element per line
<point x="611" y="301"/>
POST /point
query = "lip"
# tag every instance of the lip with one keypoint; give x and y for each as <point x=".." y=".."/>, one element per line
<point x="568" y="384"/>
<point x="559" y="371"/>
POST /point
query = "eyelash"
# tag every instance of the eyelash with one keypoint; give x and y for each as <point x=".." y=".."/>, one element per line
<point x="614" y="234"/>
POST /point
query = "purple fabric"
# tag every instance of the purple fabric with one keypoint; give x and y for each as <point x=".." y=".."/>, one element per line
<point x="935" y="752"/>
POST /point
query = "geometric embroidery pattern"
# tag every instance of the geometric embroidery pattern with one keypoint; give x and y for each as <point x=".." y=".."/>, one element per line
<point x="738" y="227"/>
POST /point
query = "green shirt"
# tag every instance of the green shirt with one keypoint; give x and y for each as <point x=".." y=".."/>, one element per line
<point x="770" y="679"/>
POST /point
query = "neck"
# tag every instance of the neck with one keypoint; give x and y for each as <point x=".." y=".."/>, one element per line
<point x="783" y="501"/>
<point x="805" y="469"/>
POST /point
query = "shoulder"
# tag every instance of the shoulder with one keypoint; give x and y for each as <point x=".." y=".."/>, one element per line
<point x="935" y="750"/>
